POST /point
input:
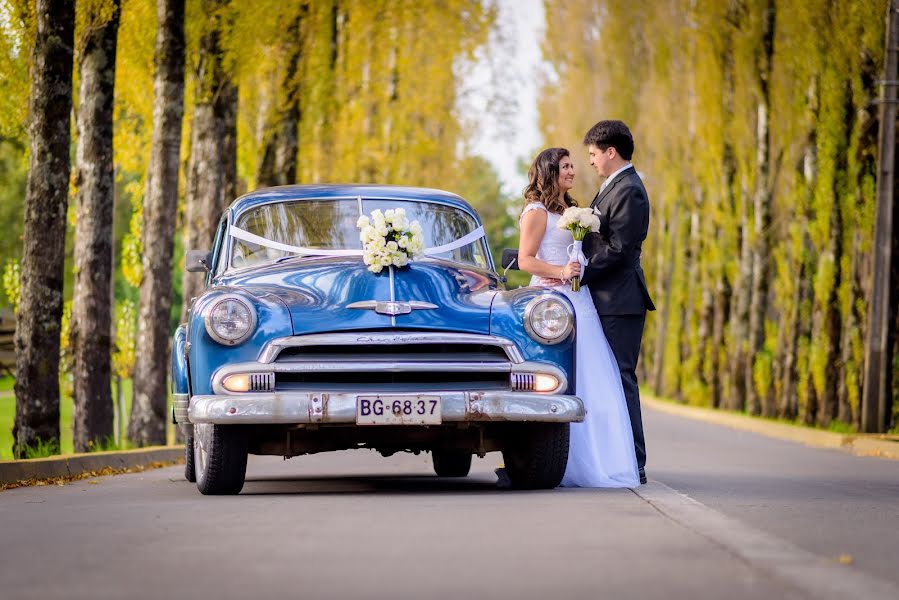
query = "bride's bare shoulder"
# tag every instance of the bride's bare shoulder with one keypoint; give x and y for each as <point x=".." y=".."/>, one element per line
<point x="534" y="210"/>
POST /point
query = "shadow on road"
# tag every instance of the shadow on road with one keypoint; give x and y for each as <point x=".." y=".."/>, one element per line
<point x="367" y="484"/>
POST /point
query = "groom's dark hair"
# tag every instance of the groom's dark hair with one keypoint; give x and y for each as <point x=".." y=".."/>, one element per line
<point x="608" y="134"/>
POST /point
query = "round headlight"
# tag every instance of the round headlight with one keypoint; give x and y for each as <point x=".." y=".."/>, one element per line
<point x="230" y="320"/>
<point x="548" y="320"/>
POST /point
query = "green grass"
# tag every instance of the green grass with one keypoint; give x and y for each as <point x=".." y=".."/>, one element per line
<point x="8" y="416"/>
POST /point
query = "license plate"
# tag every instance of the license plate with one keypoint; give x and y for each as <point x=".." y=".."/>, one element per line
<point x="398" y="410"/>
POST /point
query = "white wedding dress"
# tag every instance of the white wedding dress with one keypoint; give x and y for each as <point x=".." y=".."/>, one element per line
<point x="601" y="452"/>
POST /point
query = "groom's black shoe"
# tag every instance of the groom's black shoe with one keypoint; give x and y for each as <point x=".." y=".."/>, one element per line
<point x="642" y="476"/>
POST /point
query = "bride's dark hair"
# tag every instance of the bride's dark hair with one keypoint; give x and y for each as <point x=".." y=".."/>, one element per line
<point x="543" y="181"/>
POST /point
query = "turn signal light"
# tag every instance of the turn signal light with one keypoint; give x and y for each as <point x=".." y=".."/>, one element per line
<point x="545" y="383"/>
<point x="237" y="383"/>
<point x="249" y="382"/>
<point x="534" y="382"/>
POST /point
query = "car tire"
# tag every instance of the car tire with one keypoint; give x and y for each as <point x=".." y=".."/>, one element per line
<point x="536" y="454"/>
<point x="190" y="473"/>
<point x="220" y="458"/>
<point x="451" y="463"/>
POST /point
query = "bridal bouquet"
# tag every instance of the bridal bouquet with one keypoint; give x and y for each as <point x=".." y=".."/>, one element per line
<point x="389" y="239"/>
<point x="580" y="221"/>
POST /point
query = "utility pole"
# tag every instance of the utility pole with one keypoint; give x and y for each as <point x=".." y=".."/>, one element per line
<point x="876" y="391"/>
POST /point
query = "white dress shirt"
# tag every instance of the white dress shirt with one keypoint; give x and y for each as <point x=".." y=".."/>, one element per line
<point x="612" y="177"/>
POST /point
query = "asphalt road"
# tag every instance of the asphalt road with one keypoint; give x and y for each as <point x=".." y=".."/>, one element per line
<point x="726" y="515"/>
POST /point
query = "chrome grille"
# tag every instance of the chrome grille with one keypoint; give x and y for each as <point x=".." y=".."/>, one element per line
<point x="262" y="382"/>
<point x="414" y="352"/>
<point x="523" y="382"/>
<point x="391" y="345"/>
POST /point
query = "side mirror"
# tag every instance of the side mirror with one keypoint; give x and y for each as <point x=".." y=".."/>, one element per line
<point x="509" y="259"/>
<point x="198" y="261"/>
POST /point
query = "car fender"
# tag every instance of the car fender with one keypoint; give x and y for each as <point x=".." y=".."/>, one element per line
<point x="507" y="319"/>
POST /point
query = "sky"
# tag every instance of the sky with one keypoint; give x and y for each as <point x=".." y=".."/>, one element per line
<point x="514" y="65"/>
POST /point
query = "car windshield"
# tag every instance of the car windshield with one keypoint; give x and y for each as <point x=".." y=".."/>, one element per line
<point x="330" y="224"/>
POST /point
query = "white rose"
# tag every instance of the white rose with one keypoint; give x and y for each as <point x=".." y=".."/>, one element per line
<point x="363" y="221"/>
<point x="392" y="246"/>
<point x="403" y="242"/>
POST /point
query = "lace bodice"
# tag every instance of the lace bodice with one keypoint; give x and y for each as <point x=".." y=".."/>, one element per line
<point x="554" y="245"/>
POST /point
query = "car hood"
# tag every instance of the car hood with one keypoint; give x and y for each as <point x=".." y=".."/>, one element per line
<point x="318" y="292"/>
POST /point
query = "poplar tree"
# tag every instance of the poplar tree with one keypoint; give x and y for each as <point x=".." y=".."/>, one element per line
<point x="147" y="425"/>
<point x="40" y="307"/>
<point x="92" y="301"/>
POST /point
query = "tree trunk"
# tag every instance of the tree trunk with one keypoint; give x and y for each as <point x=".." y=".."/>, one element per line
<point x="229" y="108"/>
<point x="279" y="159"/>
<point x="826" y="325"/>
<point x="690" y="367"/>
<point x="147" y="424"/>
<point x="46" y="199"/>
<point x="760" y="269"/>
<point x="665" y="270"/>
<point x="210" y="172"/>
<point x="94" y="180"/>
<point x="849" y="382"/>
<point x="761" y="250"/>
<point x="337" y="25"/>
<point x="706" y="348"/>
<point x="738" y="324"/>
<point x="787" y="407"/>
<point x="719" y="319"/>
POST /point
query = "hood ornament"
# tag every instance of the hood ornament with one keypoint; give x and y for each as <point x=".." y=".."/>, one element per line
<point x="392" y="308"/>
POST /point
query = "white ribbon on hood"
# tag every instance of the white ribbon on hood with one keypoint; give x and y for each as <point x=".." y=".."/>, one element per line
<point x="246" y="236"/>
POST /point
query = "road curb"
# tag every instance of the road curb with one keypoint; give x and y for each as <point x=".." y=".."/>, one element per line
<point x="859" y="444"/>
<point x="72" y="465"/>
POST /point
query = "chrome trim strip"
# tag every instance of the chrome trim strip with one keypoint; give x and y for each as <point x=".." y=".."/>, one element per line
<point x="392" y="308"/>
<point x="270" y="351"/>
<point x="328" y="408"/>
<point x="392" y="295"/>
<point x="355" y="366"/>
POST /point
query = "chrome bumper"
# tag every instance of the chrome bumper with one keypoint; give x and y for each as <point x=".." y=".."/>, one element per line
<point x="305" y="407"/>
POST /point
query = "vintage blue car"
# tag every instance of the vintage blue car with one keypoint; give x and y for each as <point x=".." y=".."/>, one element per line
<point x="296" y="347"/>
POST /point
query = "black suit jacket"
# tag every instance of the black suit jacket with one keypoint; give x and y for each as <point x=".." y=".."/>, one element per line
<point x="613" y="272"/>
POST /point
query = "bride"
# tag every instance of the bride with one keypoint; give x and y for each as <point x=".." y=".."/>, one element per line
<point x="601" y="451"/>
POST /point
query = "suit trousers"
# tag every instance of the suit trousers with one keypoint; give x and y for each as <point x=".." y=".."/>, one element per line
<point x="625" y="334"/>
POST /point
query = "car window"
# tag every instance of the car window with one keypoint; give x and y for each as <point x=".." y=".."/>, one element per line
<point x="215" y="265"/>
<point x="331" y="224"/>
<point x="440" y="225"/>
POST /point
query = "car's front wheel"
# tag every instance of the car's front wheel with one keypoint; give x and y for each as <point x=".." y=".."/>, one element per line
<point x="535" y="454"/>
<point x="451" y="463"/>
<point x="220" y="458"/>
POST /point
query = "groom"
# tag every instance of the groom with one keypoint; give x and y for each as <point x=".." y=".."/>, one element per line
<point x="613" y="270"/>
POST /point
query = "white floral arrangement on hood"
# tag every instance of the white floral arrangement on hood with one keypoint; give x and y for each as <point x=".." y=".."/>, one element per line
<point x="389" y="239"/>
